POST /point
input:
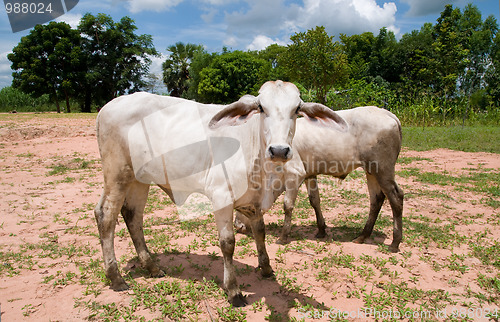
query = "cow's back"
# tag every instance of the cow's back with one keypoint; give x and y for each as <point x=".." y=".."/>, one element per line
<point x="166" y="141"/>
<point x="372" y="131"/>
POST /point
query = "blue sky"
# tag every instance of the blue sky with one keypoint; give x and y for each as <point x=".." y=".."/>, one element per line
<point x="248" y="24"/>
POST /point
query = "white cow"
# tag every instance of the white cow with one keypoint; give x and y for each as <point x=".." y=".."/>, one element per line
<point x="372" y="142"/>
<point x="184" y="147"/>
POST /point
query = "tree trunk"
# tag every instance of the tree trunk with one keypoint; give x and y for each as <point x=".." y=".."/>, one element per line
<point x="68" y="108"/>
<point x="57" y="102"/>
<point x="88" y="101"/>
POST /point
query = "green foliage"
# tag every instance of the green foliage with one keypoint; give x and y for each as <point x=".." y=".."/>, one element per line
<point x="486" y="138"/>
<point x="48" y="61"/>
<point x="116" y="58"/>
<point x="322" y="61"/>
<point x="358" y="49"/>
<point x="97" y="62"/>
<point x="230" y="76"/>
<point x="274" y="54"/>
<point x="361" y="93"/>
<point x="176" y="67"/>
<point x="13" y="99"/>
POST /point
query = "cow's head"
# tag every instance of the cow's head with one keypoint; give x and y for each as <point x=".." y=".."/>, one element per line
<point x="279" y="104"/>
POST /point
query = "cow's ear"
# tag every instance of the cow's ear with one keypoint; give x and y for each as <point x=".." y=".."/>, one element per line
<point x="321" y="115"/>
<point x="234" y="114"/>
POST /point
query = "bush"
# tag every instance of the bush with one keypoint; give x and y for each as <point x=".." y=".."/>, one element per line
<point x="12" y="99"/>
<point x="422" y="109"/>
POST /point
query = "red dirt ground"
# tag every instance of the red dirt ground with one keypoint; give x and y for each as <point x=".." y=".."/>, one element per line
<point x="39" y="206"/>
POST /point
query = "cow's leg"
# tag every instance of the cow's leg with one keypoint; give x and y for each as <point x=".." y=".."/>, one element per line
<point x="132" y="212"/>
<point x="259" y="233"/>
<point x="288" y="205"/>
<point x="395" y="196"/>
<point x="224" y="221"/>
<point x="106" y="214"/>
<point x="377" y="198"/>
<point x="314" y="200"/>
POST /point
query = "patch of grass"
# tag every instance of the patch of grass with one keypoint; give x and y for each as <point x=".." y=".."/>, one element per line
<point x="58" y="169"/>
<point x="480" y="180"/>
<point x="487" y="254"/>
<point x="12" y="262"/>
<point x="467" y="138"/>
<point x="351" y="196"/>
<point x="157" y="200"/>
<point x="419" y="233"/>
<point x="491" y="285"/>
<point x="402" y="298"/>
<point x="231" y="314"/>
<point x="26" y="155"/>
<point x="178" y="300"/>
<point x="76" y="163"/>
<point x="408" y="172"/>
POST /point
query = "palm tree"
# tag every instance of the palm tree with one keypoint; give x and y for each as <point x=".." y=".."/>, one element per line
<point x="176" y="67"/>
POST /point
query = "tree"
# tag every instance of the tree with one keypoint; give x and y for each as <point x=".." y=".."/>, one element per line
<point x="117" y="59"/>
<point x="382" y="61"/>
<point x="477" y="39"/>
<point x="358" y="49"/>
<point x="229" y="76"/>
<point x="418" y="61"/>
<point x="314" y="60"/>
<point x="274" y="54"/>
<point x="450" y="51"/>
<point x="176" y="67"/>
<point x="48" y="61"/>
<point x="152" y="83"/>
<point x="493" y="72"/>
<point x="201" y="60"/>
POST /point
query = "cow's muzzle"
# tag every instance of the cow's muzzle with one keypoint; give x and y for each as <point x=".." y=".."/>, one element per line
<point x="281" y="153"/>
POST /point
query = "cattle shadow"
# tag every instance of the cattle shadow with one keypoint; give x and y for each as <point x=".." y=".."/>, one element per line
<point x="189" y="266"/>
<point x="340" y="233"/>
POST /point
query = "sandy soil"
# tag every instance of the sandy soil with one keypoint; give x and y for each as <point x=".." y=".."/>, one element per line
<point x="50" y="181"/>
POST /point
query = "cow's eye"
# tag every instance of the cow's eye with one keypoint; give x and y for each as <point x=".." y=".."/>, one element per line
<point x="297" y="110"/>
<point x="261" y="109"/>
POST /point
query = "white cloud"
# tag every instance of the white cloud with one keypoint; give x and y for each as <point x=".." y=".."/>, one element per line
<point x="156" y="64"/>
<point x="208" y="17"/>
<point x="231" y="41"/>
<point x="72" y="19"/>
<point x="277" y="18"/>
<point x="218" y="2"/>
<point x="425" y="7"/>
<point x="136" y="6"/>
<point x="264" y="17"/>
<point x="347" y="16"/>
<point x="261" y="42"/>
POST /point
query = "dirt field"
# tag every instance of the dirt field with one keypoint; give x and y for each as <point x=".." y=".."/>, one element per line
<point x="51" y="264"/>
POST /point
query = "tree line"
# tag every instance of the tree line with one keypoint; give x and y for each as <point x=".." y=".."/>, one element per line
<point x="93" y="64"/>
<point x="451" y="67"/>
<point x="447" y="68"/>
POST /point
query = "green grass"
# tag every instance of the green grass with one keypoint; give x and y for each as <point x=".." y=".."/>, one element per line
<point x="468" y="138"/>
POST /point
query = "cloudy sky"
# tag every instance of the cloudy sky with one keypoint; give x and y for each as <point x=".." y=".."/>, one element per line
<point x="249" y="24"/>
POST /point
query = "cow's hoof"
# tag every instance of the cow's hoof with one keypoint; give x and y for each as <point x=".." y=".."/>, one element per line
<point x="265" y="272"/>
<point x="119" y="286"/>
<point x="157" y="273"/>
<point x="394" y="248"/>
<point x="283" y="240"/>
<point x="238" y="300"/>
<point x="320" y="234"/>
<point x="359" y="240"/>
